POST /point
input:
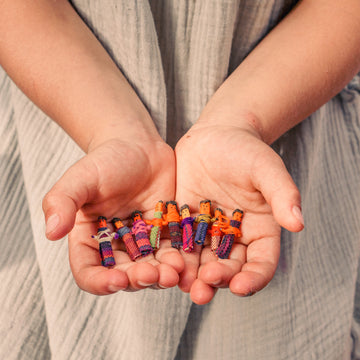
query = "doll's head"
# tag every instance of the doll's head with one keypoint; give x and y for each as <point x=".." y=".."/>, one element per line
<point x="159" y="206"/>
<point x="171" y="207"/>
<point x="185" y="211"/>
<point x="117" y="223"/>
<point x="136" y="215"/>
<point x="237" y="214"/>
<point x="205" y="207"/>
<point x="218" y="212"/>
<point x="102" y="222"/>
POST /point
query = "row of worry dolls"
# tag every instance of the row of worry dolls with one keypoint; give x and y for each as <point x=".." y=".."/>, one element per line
<point x="143" y="238"/>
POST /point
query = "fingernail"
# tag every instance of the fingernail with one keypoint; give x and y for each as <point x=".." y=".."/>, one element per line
<point x="297" y="213"/>
<point x="141" y="283"/>
<point x="51" y="223"/>
<point x="215" y="283"/>
<point x="114" y="288"/>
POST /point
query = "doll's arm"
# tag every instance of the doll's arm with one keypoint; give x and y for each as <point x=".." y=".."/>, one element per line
<point x="302" y="63"/>
<point x="54" y="58"/>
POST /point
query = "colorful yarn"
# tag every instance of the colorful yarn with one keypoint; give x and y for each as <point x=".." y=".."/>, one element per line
<point x="215" y="241"/>
<point x="156" y="231"/>
<point x="187" y="234"/>
<point x="223" y="251"/>
<point x="201" y="232"/>
<point x="104" y="237"/>
<point x="130" y="244"/>
<point x="140" y="229"/>
<point x="175" y="235"/>
<point x="106" y="254"/>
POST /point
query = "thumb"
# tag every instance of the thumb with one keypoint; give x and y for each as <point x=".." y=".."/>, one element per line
<point x="66" y="197"/>
<point x="272" y="179"/>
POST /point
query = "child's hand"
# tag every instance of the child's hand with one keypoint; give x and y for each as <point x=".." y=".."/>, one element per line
<point x="114" y="179"/>
<point x="235" y="169"/>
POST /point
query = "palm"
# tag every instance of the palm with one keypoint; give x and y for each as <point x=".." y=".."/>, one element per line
<point x="225" y="167"/>
<point x="114" y="180"/>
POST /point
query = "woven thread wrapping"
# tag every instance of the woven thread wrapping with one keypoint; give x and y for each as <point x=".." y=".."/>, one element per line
<point x="201" y="232"/>
<point x="223" y="251"/>
<point x="156" y="232"/>
<point x="106" y="254"/>
<point x="215" y="241"/>
<point x="131" y="246"/>
<point x="139" y="229"/>
<point x="175" y="235"/>
<point x="188" y="234"/>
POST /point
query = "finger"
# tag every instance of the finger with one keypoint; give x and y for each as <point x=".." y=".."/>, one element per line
<point x="98" y="280"/>
<point x="272" y="179"/>
<point x="66" y="197"/>
<point x="218" y="272"/>
<point x="191" y="267"/>
<point x="259" y="269"/>
<point x="142" y="275"/>
<point x="169" y="255"/>
<point x="168" y="276"/>
<point x="201" y="293"/>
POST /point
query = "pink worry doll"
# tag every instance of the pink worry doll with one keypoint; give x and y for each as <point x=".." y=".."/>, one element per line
<point x="140" y="231"/>
<point x="172" y="217"/>
<point x="231" y="231"/>
<point x="125" y="235"/>
<point x="187" y="222"/>
<point x="104" y="237"/>
<point x="157" y="222"/>
<point x="219" y="221"/>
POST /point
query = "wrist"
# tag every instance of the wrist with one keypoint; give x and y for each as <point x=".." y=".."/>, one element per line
<point x="236" y="120"/>
<point x="139" y="130"/>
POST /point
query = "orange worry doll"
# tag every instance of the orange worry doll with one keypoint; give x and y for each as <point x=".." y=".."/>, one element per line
<point x="219" y="221"/>
<point x="172" y="217"/>
<point x="157" y="222"/>
<point x="203" y="220"/>
<point x="125" y="234"/>
<point x="231" y="231"/>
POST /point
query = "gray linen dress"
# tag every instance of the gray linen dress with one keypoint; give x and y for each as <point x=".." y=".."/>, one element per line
<point x="176" y="54"/>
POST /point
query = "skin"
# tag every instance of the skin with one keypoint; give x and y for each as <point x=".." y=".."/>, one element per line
<point x="29" y="54"/>
<point x="295" y="69"/>
<point x="271" y="91"/>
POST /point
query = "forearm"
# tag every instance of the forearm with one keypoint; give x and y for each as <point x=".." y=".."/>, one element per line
<point x="59" y="64"/>
<point x="301" y="64"/>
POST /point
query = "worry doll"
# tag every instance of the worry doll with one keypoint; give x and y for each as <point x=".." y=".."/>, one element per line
<point x="157" y="222"/>
<point x="231" y="232"/>
<point x="187" y="228"/>
<point x="140" y="231"/>
<point x="219" y="221"/>
<point x="203" y="220"/>
<point x="104" y="236"/>
<point x="172" y="217"/>
<point x="125" y="235"/>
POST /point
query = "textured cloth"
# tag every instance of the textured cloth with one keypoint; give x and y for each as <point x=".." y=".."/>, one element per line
<point x="176" y="54"/>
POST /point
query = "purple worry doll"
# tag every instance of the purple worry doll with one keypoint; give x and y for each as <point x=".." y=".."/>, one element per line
<point x="125" y="234"/>
<point x="203" y="220"/>
<point x="104" y="237"/>
<point x="187" y="227"/>
<point x="172" y="217"/>
<point x="140" y="230"/>
<point x="231" y="231"/>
